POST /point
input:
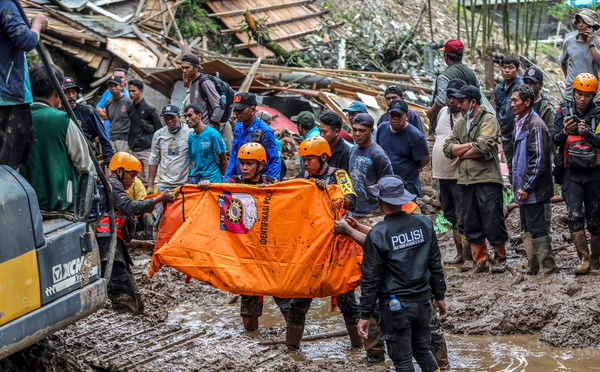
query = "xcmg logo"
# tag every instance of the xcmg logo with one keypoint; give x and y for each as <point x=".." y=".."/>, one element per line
<point x="63" y="271"/>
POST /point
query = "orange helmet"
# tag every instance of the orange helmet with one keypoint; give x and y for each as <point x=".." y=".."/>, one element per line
<point x="253" y="151"/>
<point x="586" y="82"/>
<point x="314" y="146"/>
<point x="126" y="161"/>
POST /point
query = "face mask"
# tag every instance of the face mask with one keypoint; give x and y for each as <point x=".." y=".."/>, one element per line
<point x="176" y="130"/>
<point x="468" y="115"/>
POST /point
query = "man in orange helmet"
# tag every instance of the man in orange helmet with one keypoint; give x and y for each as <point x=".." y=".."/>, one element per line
<point x="252" y="159"/>
<point x="122" y="290"/>
<point x="577" y="132"/>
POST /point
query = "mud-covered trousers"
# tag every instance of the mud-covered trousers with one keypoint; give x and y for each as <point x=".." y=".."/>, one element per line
<point x="295" y="309"/>
<point x="581" y="188"/>
<point x="121" y="279"/>
<point x="483" y="215"/>
<point x="407" y="334"/>
<point x="451" y="201"/>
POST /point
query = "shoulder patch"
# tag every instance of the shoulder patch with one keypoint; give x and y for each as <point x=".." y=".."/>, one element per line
<point x="344" y="182"/>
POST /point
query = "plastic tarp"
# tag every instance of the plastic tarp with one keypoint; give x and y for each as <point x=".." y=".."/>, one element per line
<point x="278" y="240"/>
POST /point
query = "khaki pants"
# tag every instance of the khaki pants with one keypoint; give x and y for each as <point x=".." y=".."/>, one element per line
<point x="144" y="157"/>
<point x="120" y="146"/>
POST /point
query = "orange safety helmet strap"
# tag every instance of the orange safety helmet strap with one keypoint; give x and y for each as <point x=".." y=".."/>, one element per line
<point x="126" y="161"/>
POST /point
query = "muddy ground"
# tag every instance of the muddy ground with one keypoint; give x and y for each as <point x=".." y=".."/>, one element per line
<point x="194" y="327"/>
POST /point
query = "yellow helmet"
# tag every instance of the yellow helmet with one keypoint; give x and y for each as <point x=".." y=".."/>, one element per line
<point x="126" y="161"/>
<point x="314" y="146"/>
<point x="252" y="151"/>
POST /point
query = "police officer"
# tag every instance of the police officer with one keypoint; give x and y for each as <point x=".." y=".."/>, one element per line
<point x="122" y="290"/>
<point x="252" y="159"/>
<point x="402" y="267"/>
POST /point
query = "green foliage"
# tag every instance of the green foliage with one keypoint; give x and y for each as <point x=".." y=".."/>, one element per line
<point x="441" y="224"/>
<point x="193" y="21"/>
<point x="565" y="10"/>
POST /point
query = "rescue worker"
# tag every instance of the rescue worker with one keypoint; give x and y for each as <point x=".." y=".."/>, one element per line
<point x="315" y="151"/>
<point x="122" y="290"/>
<point x="252" y="159"/>
<point x="577" y="132"/>
<point x="401" y="268"/>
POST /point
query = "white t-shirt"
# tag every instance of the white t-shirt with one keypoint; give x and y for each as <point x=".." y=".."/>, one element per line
<point x="170" y="153"/>
<point x="442" y="167"/>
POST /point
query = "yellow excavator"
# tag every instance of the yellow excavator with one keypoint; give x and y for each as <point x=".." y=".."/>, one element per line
<point x="50" y="272"/>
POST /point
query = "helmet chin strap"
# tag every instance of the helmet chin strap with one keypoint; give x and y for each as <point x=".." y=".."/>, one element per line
<point x="258" y="170"/>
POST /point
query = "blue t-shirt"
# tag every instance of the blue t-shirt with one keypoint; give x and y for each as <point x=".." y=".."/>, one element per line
<point x="100" y="104"/>
<point x="367" y="166"/>
<point x="203" y="147"/>
<point x="405" y="149"/>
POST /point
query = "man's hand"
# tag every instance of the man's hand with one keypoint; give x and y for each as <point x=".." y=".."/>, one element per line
<point x="168" y="195"/>
<point x="568" y="125"/>
<point x="589" y="34"/>
<point x="203" y="185"/>
<point x="322" y="184"/>
<point x="150" y="190"/>
<point x="352" y="222"/>
<point x="342" y="226"/>
<point x="39" y="22"/>
<point x="261" y="185"/>
<point x="363" y="328"/>
<point x="581" y="127"/>
<point x="522" y="195"/>
<point x="441" y="310"/>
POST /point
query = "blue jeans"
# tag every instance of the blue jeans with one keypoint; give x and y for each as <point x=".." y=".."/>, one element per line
<point x="406" y="334"/>
<point x="158" y="208"/>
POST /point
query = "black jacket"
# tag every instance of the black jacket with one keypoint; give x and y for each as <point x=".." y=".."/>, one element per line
<point x="402" y="258"/>
<point x="144" y="122"/>
<point x="340" y="155"/>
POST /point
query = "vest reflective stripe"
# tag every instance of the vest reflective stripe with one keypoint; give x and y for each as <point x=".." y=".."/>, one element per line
<point x="571" y="139"/>
<point x="103" y="229"/>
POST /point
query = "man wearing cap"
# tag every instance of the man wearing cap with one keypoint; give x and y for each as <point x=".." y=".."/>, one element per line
<point x="580" y="52"/>
<point x="88" y="120"/>
<point x="453" y="54"/>
<point x="354" y="109"/>
<point x="331" y="125"/>
<point x="395" y="92"/>
<point x="509" y="66"/>
<point x="401" y="268"/>
<point x="169" y="155"/>
<point x="542" y="105"/>
<point x="116" y="110"/>
<point x="249" y="128"/>
<point x="203" y="144"/>
<point x="405" y="145"/>
<point x="446" y="171"/>
<point x="305" y="121"/>
<point x="474" y="141"/>
<point x="100" y="108"/>
<point x="16" y="125"/>
<point x="144" y="123"/>
<point x="204" y="93"/>
<point x="368" y="163"/>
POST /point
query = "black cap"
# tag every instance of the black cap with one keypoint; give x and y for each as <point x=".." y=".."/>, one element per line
<point x="191" y="58"/>
<point x="454" y="85"/>
<point x="170" y="110"/>
<point x="394" y="89"/>
<point x="534" y="74"/>
<point x="398" y="105"/>
<point x="114" y="79"/>
<point x="364" y="119"/>
<point x="468" y="91"/>
<point x="69" y="83"/>
<point x="243" y="100"/>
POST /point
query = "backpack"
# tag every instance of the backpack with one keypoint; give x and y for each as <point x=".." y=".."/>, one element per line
<point x="222" y="87"/>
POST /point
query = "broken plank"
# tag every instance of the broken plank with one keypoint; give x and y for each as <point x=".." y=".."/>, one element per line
<point x="95" y="62"/>
<point x="148" y="43"/>
<point x="249" y="77"/>
<point x="279" y="22"/>
<point x="260" y="9"/>
<point x="333" y="106"/>
<point x="355" y="88"/>
<point x="286" y="37"/>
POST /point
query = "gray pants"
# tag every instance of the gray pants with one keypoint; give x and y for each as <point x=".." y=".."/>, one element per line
<point x="144" y="157"/>
<point x="120" y="146"/>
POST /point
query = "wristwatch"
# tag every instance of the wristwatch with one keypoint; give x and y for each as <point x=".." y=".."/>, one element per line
<point x="593" y="45"/>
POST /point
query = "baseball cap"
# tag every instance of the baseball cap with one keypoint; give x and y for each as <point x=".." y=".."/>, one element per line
<point x="391" y="189"/>
<point x="535" y="74"/>
<point x="170" y="110"/>
<point x="364" y="119"/>
<point x="114" y="79"/>
<point x="468" y="91"/>
<point x="191" y="58"/>
<point x="453" y="46"/>
<point x="243" y="100"/>
<point x="69" y="83"/>
<point x="356" y="107"/>
<point x="305" y="118"/>
<point x="394" y="89"/>
<point x="398" y="105"/>
<point x="454" y="85"/>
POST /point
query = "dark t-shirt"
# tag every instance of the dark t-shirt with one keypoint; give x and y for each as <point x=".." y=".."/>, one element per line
<point x="340" y="155"/>
<point x="405" y="149"/>
<point x="367" y="166"/>
<point x="117" y="114"/>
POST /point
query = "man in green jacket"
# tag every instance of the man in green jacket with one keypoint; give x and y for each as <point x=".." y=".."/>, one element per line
<point x="475" y="141"/>
<point x="59" y="151"/>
